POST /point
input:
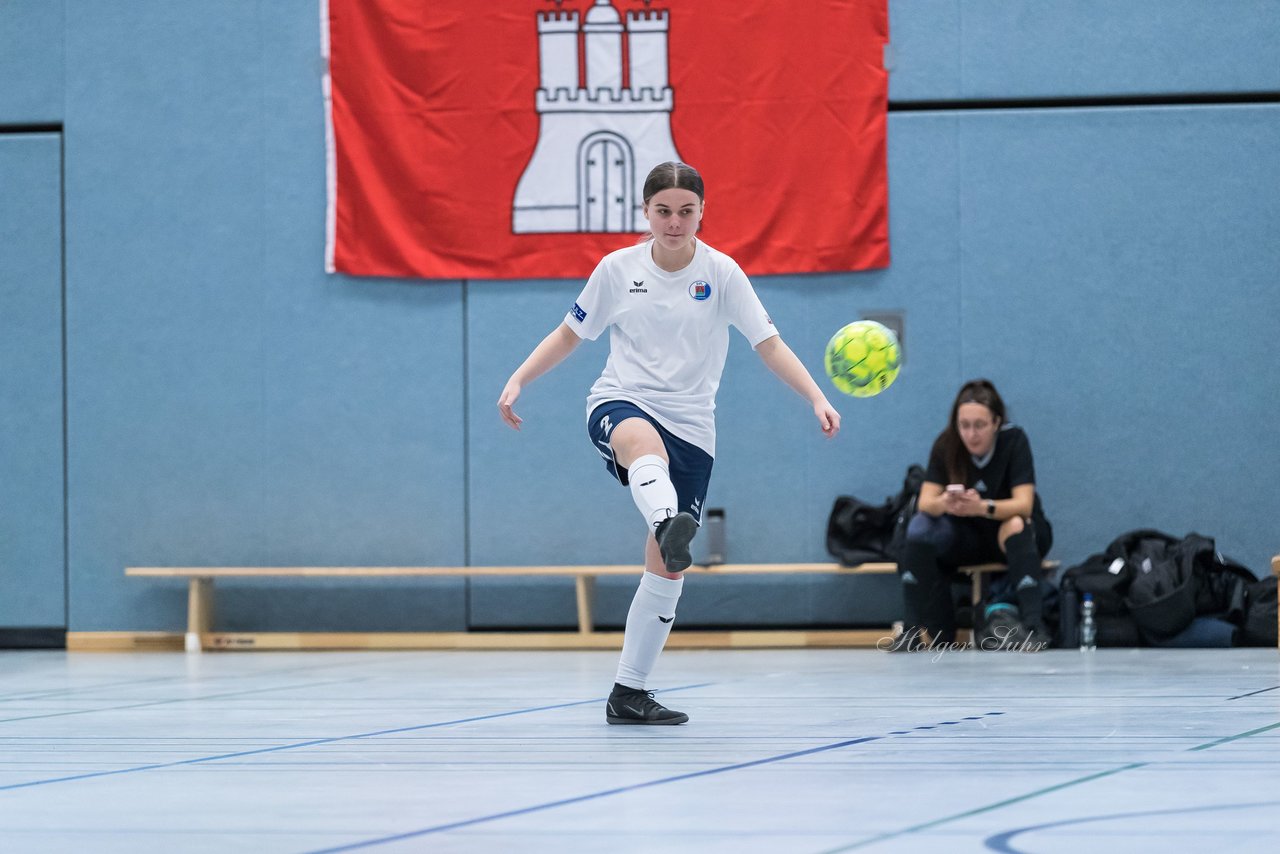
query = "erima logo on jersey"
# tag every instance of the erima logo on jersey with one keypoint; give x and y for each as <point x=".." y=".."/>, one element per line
<point x="638" y="287"/>
<point x="700" y="290"/>
<point x="578" y="313"/>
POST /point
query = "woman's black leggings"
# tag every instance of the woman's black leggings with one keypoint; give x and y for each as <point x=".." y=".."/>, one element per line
<point x="936" y="545"/>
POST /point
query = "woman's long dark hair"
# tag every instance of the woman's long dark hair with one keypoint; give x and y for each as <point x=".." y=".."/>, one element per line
<point x="955" y="456"/>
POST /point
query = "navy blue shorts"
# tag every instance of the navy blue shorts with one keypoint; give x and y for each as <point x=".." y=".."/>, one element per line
<point x="690" y="466"/>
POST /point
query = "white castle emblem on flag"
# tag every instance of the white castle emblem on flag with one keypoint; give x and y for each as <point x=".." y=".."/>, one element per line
<point x="597" y="139"/>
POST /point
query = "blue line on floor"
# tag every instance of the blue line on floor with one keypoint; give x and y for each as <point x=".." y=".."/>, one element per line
<point x="440" y="828"/>
<point x="182" y="762"/>
<point x="197" y="699"/>
<point x="1132" y="766"/>
<point x="1002" y="842"/>
<point x="46" y="693"/>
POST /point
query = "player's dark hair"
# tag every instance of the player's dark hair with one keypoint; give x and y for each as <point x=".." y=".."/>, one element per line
<point x="672" y="175"/>
<point x="955" y="456"/>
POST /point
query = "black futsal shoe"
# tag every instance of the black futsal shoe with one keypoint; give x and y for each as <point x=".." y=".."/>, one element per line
<point x="674" y="535"/>
<point x="634" y="706"/>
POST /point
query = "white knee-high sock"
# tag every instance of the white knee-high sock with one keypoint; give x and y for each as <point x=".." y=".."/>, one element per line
<point x="648" y="623"/>
<point x="651" y="488"/>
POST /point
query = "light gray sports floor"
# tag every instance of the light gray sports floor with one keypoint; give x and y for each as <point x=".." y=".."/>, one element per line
<point x="787" y="751"/>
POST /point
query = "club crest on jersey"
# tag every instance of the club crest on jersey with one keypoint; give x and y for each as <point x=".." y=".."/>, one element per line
<point x="700" y="290"/>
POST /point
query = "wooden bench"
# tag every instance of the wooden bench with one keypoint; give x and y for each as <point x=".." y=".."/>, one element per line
<point x="200" y="632"/>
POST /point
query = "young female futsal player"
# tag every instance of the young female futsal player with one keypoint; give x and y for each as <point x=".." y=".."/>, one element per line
<point x="670" y="301"/>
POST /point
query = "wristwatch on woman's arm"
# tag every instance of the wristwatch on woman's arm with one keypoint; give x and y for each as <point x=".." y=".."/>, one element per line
<point x="991" y="509"/>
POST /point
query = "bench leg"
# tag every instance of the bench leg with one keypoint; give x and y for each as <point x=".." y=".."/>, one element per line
<point x="199" y="612"/>
<point x="586" y="585"/>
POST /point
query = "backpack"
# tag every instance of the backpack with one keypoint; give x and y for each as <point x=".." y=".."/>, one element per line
<point x="905" y="507"/>
<point x="1107" y="580"/>
<point x="1187" y="579"/>
<point x="1148" y="587"/>
<point x="858" y="532"/>
<point x="1259" y="627"/>
<point x="1162" y="595"/>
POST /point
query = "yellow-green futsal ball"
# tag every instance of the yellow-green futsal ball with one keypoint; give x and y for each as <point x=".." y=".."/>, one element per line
<point x="863" y="358"/>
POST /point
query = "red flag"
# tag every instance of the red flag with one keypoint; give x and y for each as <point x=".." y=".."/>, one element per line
<point x="509" y="139"/>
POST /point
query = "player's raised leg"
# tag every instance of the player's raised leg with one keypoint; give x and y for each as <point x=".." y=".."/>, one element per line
<point x="639" y="449"/>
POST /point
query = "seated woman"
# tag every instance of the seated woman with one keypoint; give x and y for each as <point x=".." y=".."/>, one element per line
<point x="978" y="504"/>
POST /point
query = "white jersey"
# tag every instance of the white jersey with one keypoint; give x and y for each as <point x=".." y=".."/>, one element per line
<point x="670" y="333"/>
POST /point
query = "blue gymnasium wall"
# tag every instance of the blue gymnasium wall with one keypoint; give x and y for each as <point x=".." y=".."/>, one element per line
<point x="1113" y="269"/>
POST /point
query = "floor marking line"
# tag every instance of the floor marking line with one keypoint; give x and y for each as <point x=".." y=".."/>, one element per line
<point x="577" y="799"/>
<point x="1235" y="737"/>
<point x="1028" y="796"/>
<point x="312" y="743"/>
<point x="979" y="810"/>
<point x="1254" y="693"/>
<point x="45" y="693"/>
<point x="172" y="700"/>
<point x="1001" y="841"/>
<point x="706" y="772"/>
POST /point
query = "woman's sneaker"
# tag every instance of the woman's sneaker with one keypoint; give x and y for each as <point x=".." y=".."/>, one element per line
<point x="634" y="706"/>
<point x="674" y="535"/>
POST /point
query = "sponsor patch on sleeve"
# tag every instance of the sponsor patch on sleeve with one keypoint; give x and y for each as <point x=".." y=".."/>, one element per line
<point x="578" y="313"/>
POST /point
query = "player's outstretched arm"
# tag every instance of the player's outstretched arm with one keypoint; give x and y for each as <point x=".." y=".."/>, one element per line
<point x="553" y="350"/>
<point x="778" y="357"/>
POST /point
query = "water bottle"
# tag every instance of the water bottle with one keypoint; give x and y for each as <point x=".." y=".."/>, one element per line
<point x="715" y="536"/>
<point x="1088" y="628"/>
